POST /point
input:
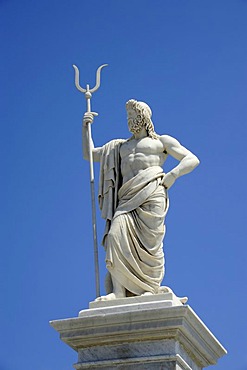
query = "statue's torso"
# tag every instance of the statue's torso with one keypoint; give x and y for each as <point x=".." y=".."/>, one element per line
<point x="137" y="155"/>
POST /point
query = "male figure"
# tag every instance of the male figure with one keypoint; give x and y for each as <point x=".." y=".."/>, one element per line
<point x="134" y="201"/>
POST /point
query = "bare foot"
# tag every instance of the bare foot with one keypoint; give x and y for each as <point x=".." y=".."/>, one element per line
<point x="147" y="293"/>
<point x="109" y="297"/>
<point x="183" y="299"/>
<point x="164" y="289"/>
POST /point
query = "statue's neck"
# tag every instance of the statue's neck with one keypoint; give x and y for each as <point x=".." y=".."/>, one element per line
<point x="141" y="134"/>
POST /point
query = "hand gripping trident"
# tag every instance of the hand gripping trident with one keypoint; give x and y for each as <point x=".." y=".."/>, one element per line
<point x="88" y="95"/>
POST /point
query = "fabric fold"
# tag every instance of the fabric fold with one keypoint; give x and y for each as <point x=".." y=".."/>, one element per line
<point x="135" y="229"/>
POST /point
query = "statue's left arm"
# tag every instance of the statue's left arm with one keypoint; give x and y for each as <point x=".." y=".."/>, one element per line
<point x="187" y="160"/>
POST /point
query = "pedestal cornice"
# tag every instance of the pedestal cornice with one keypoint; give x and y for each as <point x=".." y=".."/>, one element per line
<point x="142" y="322"/>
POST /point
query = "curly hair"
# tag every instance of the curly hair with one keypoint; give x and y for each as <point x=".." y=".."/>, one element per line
<point x="145" y="112"/>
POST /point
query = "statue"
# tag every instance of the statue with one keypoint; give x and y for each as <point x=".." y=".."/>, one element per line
<point x="133" y="199"/>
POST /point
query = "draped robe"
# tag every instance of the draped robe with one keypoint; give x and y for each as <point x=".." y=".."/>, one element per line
<point x="134" y="213"/>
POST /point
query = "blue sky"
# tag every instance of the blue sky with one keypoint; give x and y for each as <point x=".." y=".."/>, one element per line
<point x="188" y="60"/>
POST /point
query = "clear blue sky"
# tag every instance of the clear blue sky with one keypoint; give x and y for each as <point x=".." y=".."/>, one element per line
<point x="188" y="60"/>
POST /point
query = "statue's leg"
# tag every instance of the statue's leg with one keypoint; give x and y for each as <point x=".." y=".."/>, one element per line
<point x="118" y="291"/>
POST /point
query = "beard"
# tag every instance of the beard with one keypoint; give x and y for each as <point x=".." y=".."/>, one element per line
<point x="135" y="125"/>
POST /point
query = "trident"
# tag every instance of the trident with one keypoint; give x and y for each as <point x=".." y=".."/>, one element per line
<point x="88" y="95"/>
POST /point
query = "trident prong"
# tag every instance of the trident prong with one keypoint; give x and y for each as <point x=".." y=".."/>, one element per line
<point x="77" y="83"/>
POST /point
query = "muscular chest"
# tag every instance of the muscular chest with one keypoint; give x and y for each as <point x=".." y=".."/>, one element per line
<point x="145" y="145"/>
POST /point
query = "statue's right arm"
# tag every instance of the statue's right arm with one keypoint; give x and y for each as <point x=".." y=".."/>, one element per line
<point x="88" y="120"/>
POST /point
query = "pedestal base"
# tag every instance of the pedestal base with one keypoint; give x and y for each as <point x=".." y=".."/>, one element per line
<point x="153" y="332"/>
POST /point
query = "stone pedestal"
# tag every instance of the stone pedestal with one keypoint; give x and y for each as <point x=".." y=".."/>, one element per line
<point x="147" y="332"/>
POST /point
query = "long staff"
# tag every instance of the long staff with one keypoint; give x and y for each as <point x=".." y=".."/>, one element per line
<point x="88" y="95"/>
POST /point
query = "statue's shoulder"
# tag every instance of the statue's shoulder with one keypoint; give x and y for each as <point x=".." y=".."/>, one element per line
<point x="112" y="145"/>
<point x="116" y="141"/>
<point x="168" y="140"/>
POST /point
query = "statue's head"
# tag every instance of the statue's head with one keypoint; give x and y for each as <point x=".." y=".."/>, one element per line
<point x="139" y="116"/>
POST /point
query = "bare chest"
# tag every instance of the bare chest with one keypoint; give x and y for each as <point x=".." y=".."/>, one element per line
<point x="145" y="146"/>
<point x="137" y="155"/>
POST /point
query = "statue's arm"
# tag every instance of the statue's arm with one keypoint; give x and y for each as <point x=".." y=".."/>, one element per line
<point x="187" y="160"/>
<point x="88" y="120"/>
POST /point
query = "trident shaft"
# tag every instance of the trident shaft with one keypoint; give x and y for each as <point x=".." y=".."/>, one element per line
<point x="88" y="95"/>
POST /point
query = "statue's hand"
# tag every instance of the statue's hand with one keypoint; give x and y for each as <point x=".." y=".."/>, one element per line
<point x="169" y="180"/>
<point x="89" y="117"/>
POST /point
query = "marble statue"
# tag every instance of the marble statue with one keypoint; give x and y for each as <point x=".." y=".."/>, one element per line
<point x="133" y="199"/>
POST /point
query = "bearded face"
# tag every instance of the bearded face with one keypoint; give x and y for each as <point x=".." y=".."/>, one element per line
<point x="135" y="121"/>
<point x="139" y="116"/>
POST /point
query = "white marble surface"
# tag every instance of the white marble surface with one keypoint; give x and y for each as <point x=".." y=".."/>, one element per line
<point x="135" y="206"/>
<point x="150" y="334"/>
<point x="167" y="299"/>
